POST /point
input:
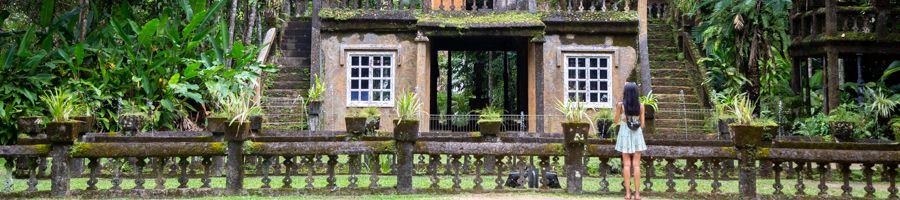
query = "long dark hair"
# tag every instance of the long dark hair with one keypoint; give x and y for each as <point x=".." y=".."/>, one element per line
<point x="630" y="100"/>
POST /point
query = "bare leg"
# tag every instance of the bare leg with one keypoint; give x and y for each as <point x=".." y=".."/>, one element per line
<point x="626" y="173"/>
<point x="637" y="174"/>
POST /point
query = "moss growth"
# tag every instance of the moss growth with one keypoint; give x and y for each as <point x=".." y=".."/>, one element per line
<point x="42" y="148"/>
<point x="475" y="134"/>
<point x="558" y="148"/>
<point x="250" y="147"/>
<point x="78" y="148"/>
<point x="730" y="150"/>
<point x="338" y="14"/>
<point x="596" y="16"/>
<point x="466" y="20"/>
<point x="858" y="36"/>
<point x="24" y="136"/>
<point x="381" y="146"/>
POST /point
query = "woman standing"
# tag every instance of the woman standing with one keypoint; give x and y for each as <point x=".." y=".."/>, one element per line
<point x="631" y="138"/>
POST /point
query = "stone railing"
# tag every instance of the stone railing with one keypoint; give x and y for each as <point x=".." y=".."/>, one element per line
<point x="285" y="164"/>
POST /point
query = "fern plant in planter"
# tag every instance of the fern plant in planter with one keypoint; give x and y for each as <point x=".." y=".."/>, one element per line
<point x="576" y="124"/>
<point x="408" y="110"/>
<point x="61" y="105"/>
<point x="650" y="105"/>
<point x="131" y="117"/>
<point x="843" y="121"/>
<point x="604" y="121"/>
<point x="490" y="121"/>
<point x="362" y="121"/>
<point x="314" y="98"/>
<point x="238" y="108"/>
<point x="373" y="119"/>
<point x="749" y="130"/>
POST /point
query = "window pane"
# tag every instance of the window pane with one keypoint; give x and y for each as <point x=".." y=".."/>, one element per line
<point x="603" y="86"/>
<point x="572" y="73"/>
<point x="376" y="61"/>
<point x="387" y="61"/>
<point x="376" y="84"/>
<point x="593" y="97"/>
<point x="354" y="61"/>
<point x="581" y="62"/>
<point x="354" y="84"/>
<point x="364" y="72"/>
<point x="386" y="96"/>
<point x="387" y="72"/>
<point x="386" y="84"/>
<point x="581" y="97"/>
<point x="354" y="96"/>
<point x="603" y="63"/>
<point x="603" y="74"/>
<point x="365" y="61"/>
<point x="593" y="85"/>
<point x="581" y="73"/>
<point x="572" y="96"/>
<point x="593" y="62"/>
<point x="354" y="72"/>
<point x="364" y="84"/>
<point x="364" y="96"/>
<point x="571" y="62"/>
<point x="376" y="96"/>
<point x="571" y="85"/>
<point x="376" y="73"/>
<point x="604" y="97"/>
<point x="582" y="85"/>
<point x="593" y="74"/>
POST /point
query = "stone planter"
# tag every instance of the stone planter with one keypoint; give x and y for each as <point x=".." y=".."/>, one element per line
<point x="576" y="133"/>
<point x="256" y="123"/>
<point x="489" y="128"/>
<point x="356" y="126"/>
<point x="649" y="112"/>
<point x="748" y="135"/>
<point x="30" y="125"/>
<point x="237" y="131"/>
<point x="314" y="108"/>
<point x="373" y="125"/>
<point x="406" y="130"/>
<point x="88" y="124"/>
<point x="723" y="127"/>
<point x="131" y="124"/>
<point x="63" y="132"/>
<point x="603" y="128"/>
<point x="841" y="131"/>
<point x="216" y="125"/>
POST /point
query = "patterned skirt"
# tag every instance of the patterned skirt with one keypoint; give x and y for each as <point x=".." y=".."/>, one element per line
<point x="630" y="141"/>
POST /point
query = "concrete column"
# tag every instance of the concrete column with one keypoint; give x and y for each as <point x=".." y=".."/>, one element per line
<point x="423" y="78"/>
<point x="575" y="135"/>
<point x="59" y="172"/>
<point x="832" y="83"/>
<point x="747" y="177"/>
<point x="405" y="135"/>
<point x="538" y="53"/>
<point x="234" y="182"/>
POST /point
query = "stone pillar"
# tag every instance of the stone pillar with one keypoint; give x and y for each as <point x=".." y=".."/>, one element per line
<point x="832" y="80"/>
<point x="575" y="136"/>
<point x="59" y="172"/>
<point x="538" y="53"/>
<point x="490" y="161"/>
<point x="423" y="78"/>
<point x="747" y="177"/>
<point x="405" y="135"/>
<point x="234" y="182"/>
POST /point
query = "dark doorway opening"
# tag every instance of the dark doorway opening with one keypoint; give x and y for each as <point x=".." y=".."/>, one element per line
<point x="470" y="74"/>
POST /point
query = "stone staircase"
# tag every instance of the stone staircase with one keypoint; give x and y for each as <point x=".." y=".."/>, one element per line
<point x="281" y="103"/>
<point x="680" y="106"/>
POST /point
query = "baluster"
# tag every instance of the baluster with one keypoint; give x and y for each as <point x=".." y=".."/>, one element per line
<point x="354" y="171"/>
<point x="799" y="171"/>
<point x="823" y="177"/>
<point x="604" y="170"/>
<point x="845" y="175"/>
<point x="715" y="176"/>
<point x="289" y="168"/>
<point x="484" y="4"/>
<point x="42" y="166"/>
<point x="778" y="186"/>
<point x="726" y="169"/>
<point x="421" y="166"/>
<point x="704" y="170"/>
<point x="117" y="173"/>
<point x="159" y="170"/>
<point x="310" y="170"/>
<point x="474" y="6"/>
<point x="139" y="173"/>
<point x="692" y="175"/>
<point x="569" y="5"/>
<point x="478" y="164"/>
<point x="499" y="179"/>
<point x="650" y="170"/>
<point x="593" y="5"/>
<point x="193" y="166"/>
<point x="207" y="170"/>
<point x="94" y="165"/>
<point x="375" y="171"/>
<point x="441" y="6"/>
<point x="465" y="165"/>
<point x="452" y="5"/>
<point x="183" y="179"/>
<point x="448" y="169"/>
<point x="868" y="173"/>
<point x="433" y="169"/>
<point x="892" y="179"/>
<point x="580" y="5"/>
<point x="332" y="162"/>
<point x="627" y="5"/>
<point x="173" y="167"/>
<point x="558" y="3"/>
<point x="603" y="5"/>
<point x="670" y="174"/>
<point x="545" y="166"/>
<point x="32" y="173"/>
<point x="555" y="165"/>
<point x="456" y="169"/>
<point x="266" y="165"/>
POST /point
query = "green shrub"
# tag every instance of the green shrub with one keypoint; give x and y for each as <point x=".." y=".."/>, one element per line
<point x="490" y="114"/>
<point x="60" y="103"/>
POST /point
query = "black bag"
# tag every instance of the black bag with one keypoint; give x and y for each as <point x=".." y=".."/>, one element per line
<point x="633" y="123"/>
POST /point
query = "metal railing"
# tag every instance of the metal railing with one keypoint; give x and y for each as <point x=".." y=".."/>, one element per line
<point x="469" y="123"/>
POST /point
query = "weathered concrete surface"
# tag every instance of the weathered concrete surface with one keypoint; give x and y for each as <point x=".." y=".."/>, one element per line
<point x="677" y="152"/>
<point x="556" y="46"/>
<point x="153" y="149"/>
<point x="319" y="148"/>
<point x="335" y="49"/>
<point x="827" y="155"/>
<point x="506" y="149"/>
<point x="25" y="150"/>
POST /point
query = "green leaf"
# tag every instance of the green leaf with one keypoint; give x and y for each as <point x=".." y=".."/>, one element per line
<point x="191" y="70"/>
<point x="201" y="18"/>
<point x="237" y="50"/>
<point x="47" y="8"/>
<point x="7" y="60"/>
<point x="26" y="42"/>
<point x="3" y="15"/>
<point x="174" y="79"/>
<point x="147" y="32"/>
<point x="79" y="53"/>
<point x="894" y="67"/>
<point x="188" y="11"/>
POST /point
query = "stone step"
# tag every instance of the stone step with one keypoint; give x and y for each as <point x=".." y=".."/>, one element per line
<point x="663" y="57"/>
<point x="661" y="41"/>
<point x="672" y="81"/>
<point x="666" y="64"/>
<point x="669" y="72"/>
<point x="289" y="85"/>
<point x="287" y="118"/>
<point x="668" y="89"/>
<point x="672" y="130"/>
<point x="294" y="62"/>
<point x="662" y="48"/>
<point x="688" y="97"/>
<point x="298" y="53"/>
<point x="678" y="105"/>
<point x="293" y="69"/>
<point x="295" y="76"/>
<point x="283" y="92"/>
<point x="682" y="114"/>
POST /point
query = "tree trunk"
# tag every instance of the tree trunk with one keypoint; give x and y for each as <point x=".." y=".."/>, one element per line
<point x="753" y="64"/>
<point x="251" y="23"/>
<point x="642" y="42"/>
<point x="231" y="17"/>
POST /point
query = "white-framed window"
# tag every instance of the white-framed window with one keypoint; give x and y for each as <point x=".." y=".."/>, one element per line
<point x="588" y="79"/>
<point x="370" y="79"/>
